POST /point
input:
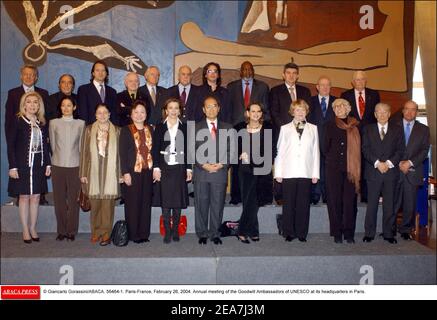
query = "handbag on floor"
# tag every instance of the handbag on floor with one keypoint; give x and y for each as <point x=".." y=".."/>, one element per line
<point x="182" y="225"/>
<point x="119" y="234"/>
<point x="229" y="228"/>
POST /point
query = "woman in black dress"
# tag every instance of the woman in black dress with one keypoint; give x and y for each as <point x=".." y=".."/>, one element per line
<point x="29" y="161"/>
<point x="170" y="167"/>
<point x="136" y="163"/>
<point x="255" y="150"/>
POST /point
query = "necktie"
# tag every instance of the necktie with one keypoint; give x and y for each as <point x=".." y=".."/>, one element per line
<point x="153" y="95"/>
<point x="382" y="133"/>
<point x="361" y="105"/>
<point x="407" y="133"/>
<point x="246" y="95"/>
<point x="132" y="95"/>
<point x="213" y="131"/>
<point x="323" y="105"/>
<point x="292" y="93"/>
<point x="102" y="93"/>
<point x="30" y="89"/>
<point x="183" y="97"/>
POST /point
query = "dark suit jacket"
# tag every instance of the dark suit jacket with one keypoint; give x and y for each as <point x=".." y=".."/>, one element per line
<point x="124" y="104"/>
<point x="316" y="116"/>
<point x="222" y="95"/>
<point x="52" y="111"/>
<point x="416" y="151"/>
<point x="13" y="104"/>
<point x="372" y="99"/>
<point x="128" y="150"/>
<point x="280" y="101"/>
<point x="334" y="147"/>
<point x="391" y="148"/>
<point x="160" y="145"/>
<point x="191" y="110"/>
<point x="223" y="152"/>
<point x="259" y="93"/>
<point x="88" y="98"/>
<point x="154" y="111"/>
<point x="18" y="141"/>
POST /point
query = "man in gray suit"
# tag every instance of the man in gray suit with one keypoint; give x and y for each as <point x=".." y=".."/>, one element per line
<point x="213" y="154"/>
<point x="242" y="93"/>
<point x="416" y="141"/>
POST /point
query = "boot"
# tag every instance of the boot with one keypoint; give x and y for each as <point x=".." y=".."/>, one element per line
<point x="167" y="236"/>
<point x="175" y="227"/>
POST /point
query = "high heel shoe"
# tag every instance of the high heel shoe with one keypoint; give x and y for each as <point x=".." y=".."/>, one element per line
<point x="243" y="239"/>
<point x="27" y="241"/>
<point x="35" y="239"/>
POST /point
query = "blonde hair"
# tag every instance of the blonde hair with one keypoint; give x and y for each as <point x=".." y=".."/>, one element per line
<point x="299" y="103"/>
<point x="342" y="102"/>
<point x="41" y="111"/>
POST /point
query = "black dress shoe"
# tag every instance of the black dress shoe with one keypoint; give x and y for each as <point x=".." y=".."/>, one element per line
<point x="60" y="237"/>
<point x="191" y="194"/>
<point x="406" y="236"/>
<point x="315" y="202"/>
<point x="301" y="239"/>
<point x="203" y="240"/>
<point x="367" y="239"/>
<point x="350" y="240"/>
<point x="391" y="240"/>
<point x="243" y="239"/>
<point x="145" y="240"/>
<point x="338" y="240"/>
<point x="70" y="237"/>
<point x="138" y="241"/>
<point x="217" y="241"/>
<point x="289" y="238"/>
<point x="254" y="239"/>
<point x="43" y="201"/>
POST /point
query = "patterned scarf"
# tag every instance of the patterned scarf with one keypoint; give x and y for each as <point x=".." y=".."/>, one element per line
<point x="140" y="162"/>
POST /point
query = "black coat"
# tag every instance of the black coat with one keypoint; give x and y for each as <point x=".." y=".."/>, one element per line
<point x="391" y="148"/>
<point x="88" y="98"/>
<point x="280" y="101"/>
<point x="124" y="104"/>
<point x="259" y="93"/>
<point x="222" y="95"/>
<point x="154" y="111"/>
<point x="52" y="111"/>
<point x="315" y="116"/>
<point x="372" y="99"/>
<point x="334" y="147"/>
<point x="192" y="110"/>
<point x="13" y="104"/>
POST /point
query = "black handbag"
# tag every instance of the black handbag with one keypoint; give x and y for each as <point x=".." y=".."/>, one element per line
<point x="119" y="235"/>
<point x="229" y="228"/>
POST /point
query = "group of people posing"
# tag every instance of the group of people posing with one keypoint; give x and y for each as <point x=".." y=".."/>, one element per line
<point x="145" y="144"/>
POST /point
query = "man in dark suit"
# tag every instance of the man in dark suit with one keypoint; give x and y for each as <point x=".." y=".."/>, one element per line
<point x="242" y="93"/>
<point x="96" y="92"/>
<point x="382" y="149"/>
<point x="416" y="140"/>
<point x="363" y="101"/>
<point x="211" y="171"/>
<point x="28" y="77"/>
<point x="187" y="93"/>
<point x="155" y="95"/>
<point x="127" y="97"/>
<point x="281" y="96"/>
<point x="320" y="114"/>
<point x="66" y="87"/>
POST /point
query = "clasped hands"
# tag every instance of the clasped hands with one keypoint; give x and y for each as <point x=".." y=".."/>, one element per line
<point x="383" y="167"/>
<point x="404" y="166"/>
<point x="212" y="167"/>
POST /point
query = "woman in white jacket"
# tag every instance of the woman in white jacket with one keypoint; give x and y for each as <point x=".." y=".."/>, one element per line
<point x="297" y="165"/>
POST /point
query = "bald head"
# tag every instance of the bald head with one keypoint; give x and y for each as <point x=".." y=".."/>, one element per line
<point x="131" y="81"/>
<point x="185" y="75"/>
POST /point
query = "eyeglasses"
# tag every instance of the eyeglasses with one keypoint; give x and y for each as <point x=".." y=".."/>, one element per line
<point x="212" y="71"/>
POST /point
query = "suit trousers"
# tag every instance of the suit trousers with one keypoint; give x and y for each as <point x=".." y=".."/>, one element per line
<point x="249" y="217"/>
<point x="66" y="187"/>
<point x="341" y="202"/>
<point x="209" y="202"/>
<point x="138" y="204"/>
<point x="406" y="200"/>
<point x="102" y="217"/>
<point x="235" y="184"/>
<point x="374" y="189"/>
<point x="296" y="194"/>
